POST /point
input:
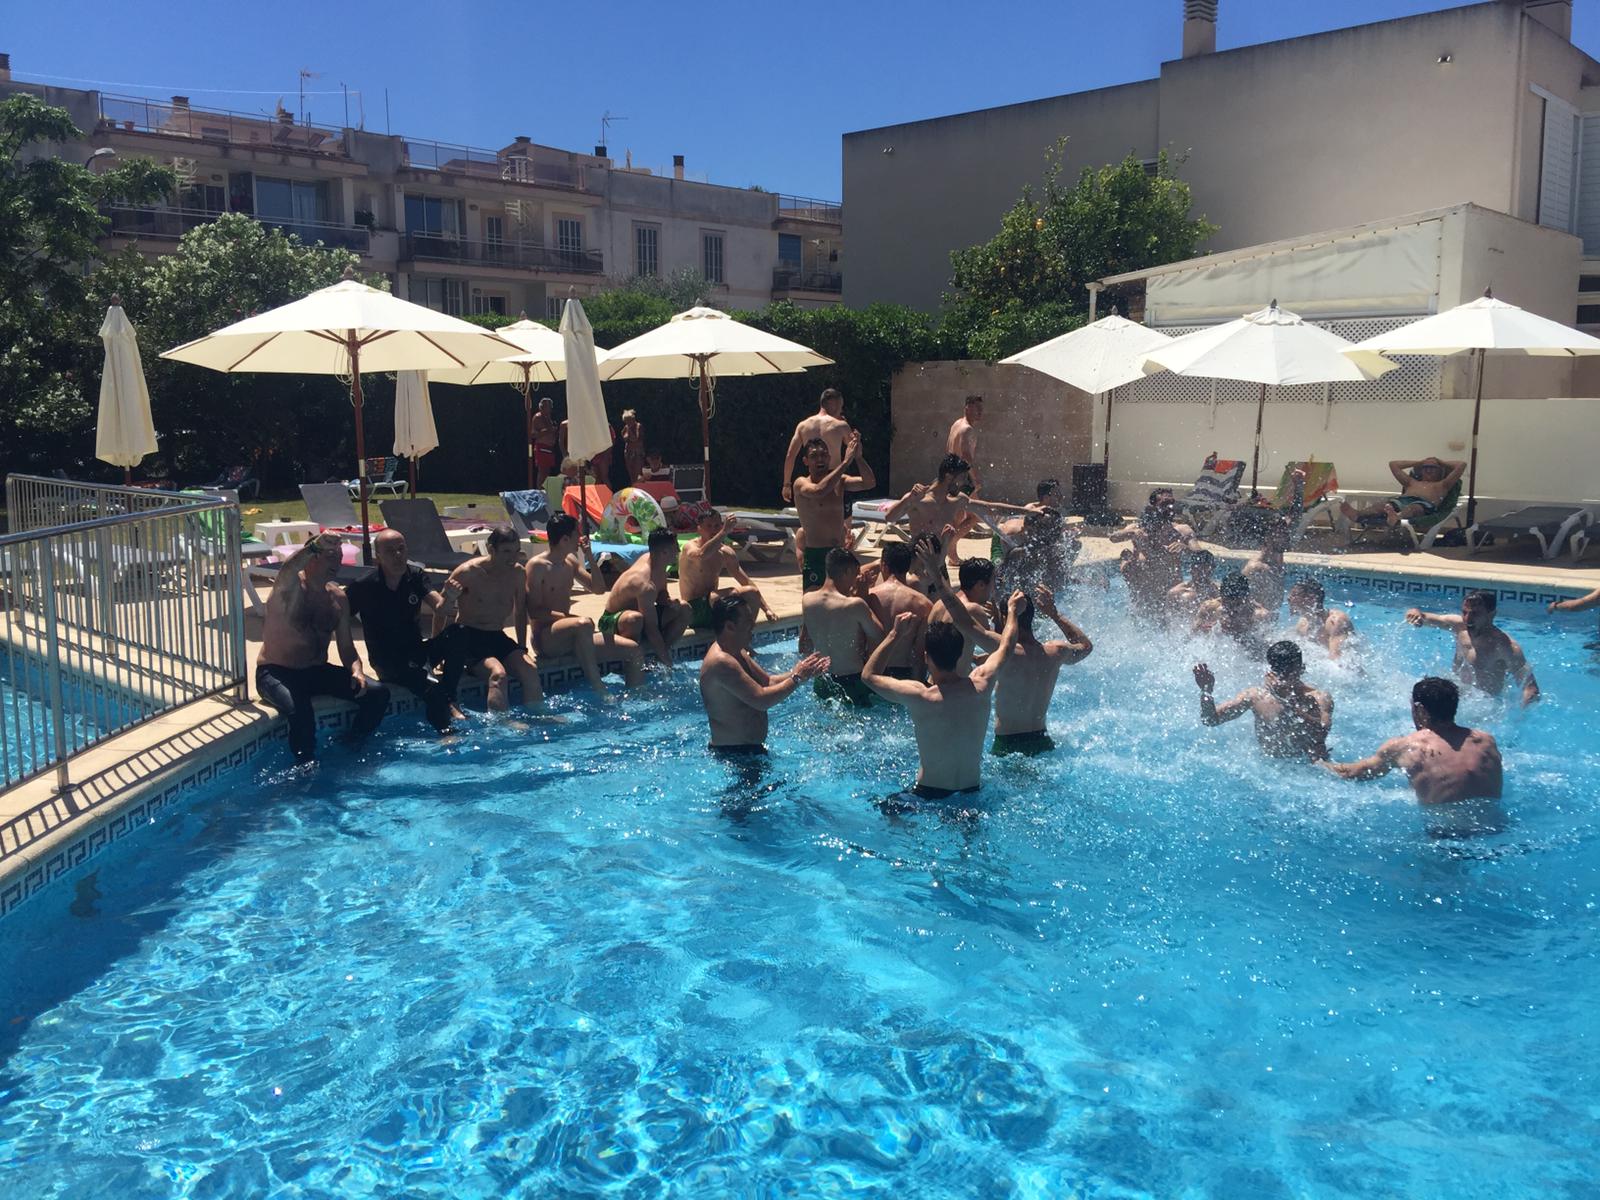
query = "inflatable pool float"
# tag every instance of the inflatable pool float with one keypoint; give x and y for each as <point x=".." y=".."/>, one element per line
<point x="632" y="514"/>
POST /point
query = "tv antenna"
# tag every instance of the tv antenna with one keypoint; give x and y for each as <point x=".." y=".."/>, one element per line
<point x="606" y="122"/>
<point x="305" y="75"/>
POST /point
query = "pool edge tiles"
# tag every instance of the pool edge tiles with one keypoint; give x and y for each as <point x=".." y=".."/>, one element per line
<point x="74" y="838"/>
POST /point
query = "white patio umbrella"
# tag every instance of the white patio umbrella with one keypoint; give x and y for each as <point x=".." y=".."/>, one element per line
<point x="588" y="431"/>
<point x="124" y="433"/>
<point x="1271" y="347"/>
<point x="344" y="330"/>
<point x="414" y="431"/>
<point x="702" y="344"/>
<point x="1097" y="358"/>
<point x="542" y="360"/>
<point x="1481" y="327"/>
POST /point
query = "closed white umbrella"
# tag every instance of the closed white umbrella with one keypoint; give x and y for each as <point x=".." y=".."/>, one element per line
<point x="124" y="433"/>
<point x="414" y="431"/>
<point x="344" y="330"/>
<point x="588" y="431"/>
<point x="702" y="344"/>
<point x="1270" y="347"/>
<point x="1481" y="327"/>
<point x="1097" y="358"/>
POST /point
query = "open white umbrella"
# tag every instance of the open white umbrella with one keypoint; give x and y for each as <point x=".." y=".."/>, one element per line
<point x="1481" y="327"/>
<point x="702" y="344"/>
<point x="1097" y="358"/>
<point x="344" y="330"/>
<point x="1271" y="347"/>
<point x="588" y="431"/>
<point x="414" y="431"/>
<point x="124" y="433"/>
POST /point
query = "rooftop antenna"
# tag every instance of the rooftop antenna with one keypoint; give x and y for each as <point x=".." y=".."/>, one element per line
<point x="606" y="122"/>
<point x="305" y="75"/>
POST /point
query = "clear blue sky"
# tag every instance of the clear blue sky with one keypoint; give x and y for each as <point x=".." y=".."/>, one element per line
<point x="751" y="93"/>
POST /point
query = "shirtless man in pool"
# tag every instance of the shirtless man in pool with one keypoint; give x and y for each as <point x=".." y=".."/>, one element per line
<point x="551" y="576"/>
<point x="1485" y="654"/>
<point x="639" y="607"/>
<point x="843" y="629"/>
<point x="1424" y="483"/>
<point x="493" y="593"/>
<point x="701" y="565"/>
<point x="929" y="509"/>
<point x="1330" y="628"/>
<point x="1444" y="761"/>
<point x="819" y="501"/>
<point x="736" y="692"/>
<point x="1292" y="717"/>
<point x="1022" y="697"/>
<point x="894" y="594"/>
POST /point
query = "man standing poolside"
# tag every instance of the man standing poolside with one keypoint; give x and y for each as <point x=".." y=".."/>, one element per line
<point x="546" y="442"/>
<point x="828" y="425"/>
<point x="550" y="578"/>
<point x="1444" y="761"/>
<point x="843" y="629"/>
<point x="1485" y="654"/>
<point x="819" y="501"/>
<point x="1331" y="628"/>
<point x="701" y="565"/>
<point x="493" y="595"/>
<point x="388" y="601"/>
<point x="950" y="712"/>
<point x="962" y="440"/>
<point x="893" y="594"/>
<point x="305" y="609"/>
<point x="1022" y="697"/>
<point x="734" y="689"/>
<point x="639" y="606"/>
<point x="1292" y="717"/>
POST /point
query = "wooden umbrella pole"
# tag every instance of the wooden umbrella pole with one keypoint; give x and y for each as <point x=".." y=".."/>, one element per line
<point x="354" y="347"/>
<point x="1472" y="462"/>
<point x="1255" y="463"/>
<point x="705" y="425"/>
<point x="1106" y="458"/>
<point x="411" y="485"/>
<point x="527" y="417"/>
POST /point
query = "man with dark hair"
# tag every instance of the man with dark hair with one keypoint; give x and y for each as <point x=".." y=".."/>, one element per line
<point x="948" y="502"/>
<point x="841" y="626"/>
<point x="1234" y="613"/>
<point x="551" y="577"/>
<point x="639" y="606"/>
<point x="828" y="425"/>
<point x="1332" y="628"/>
<point x="1292" y="717"/>
<point x="1266" y="570"/>
<point x="1445" y="761"/>
<point x="1022" y="697"/>
<point x="950" y="712"/>
<point x="701" y="565"/>
<point x="304" y="610"/>
<point x="971" y="609"/>
<point x="962" y="440"/>
<point x="1201" y="585"/>
<point x="1160" y="539"/>
<point x="894" y="594"/>
<point x="819" y="501"/>
<point x="546" y="441"/>
<point x="493" y="594"/>
<point x="1485" y="653"/>
<point x="1424" y="484"/>
<point x="735" y="690"/>
<point x="388" y="602"/>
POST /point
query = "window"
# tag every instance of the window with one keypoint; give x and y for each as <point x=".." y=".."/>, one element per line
<point x="1558" y="164"/>
<point x="488" y="302"/>
<point x="494" y="230"/>
<point x="791" y="252"/>
<point x="711" y="257"/>
<point x="1589" y="283"/>
<point x="290" y="200"/>
<point x="569" y="235"/>
<point x="441" y="295"/>
<point x="1588" y="314"/>
<point x="433" y="215"/>
<point x="552" y="308"/>
<point x="647" y="250"/>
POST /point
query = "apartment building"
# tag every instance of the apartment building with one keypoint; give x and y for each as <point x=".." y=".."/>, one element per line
<point x="459" y="228"/>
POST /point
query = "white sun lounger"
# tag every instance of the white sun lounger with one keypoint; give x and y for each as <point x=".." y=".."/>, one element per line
<point x="1551" y="524"/>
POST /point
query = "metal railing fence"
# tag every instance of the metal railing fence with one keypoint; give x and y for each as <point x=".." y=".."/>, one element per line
<point x="117" y="605"/>
<point x="435" y="247"/>
<point x="809" y="208"/>
<point x="137" y="114"/>
<point x="148" y="221"/>
<point x="423" y="154"/>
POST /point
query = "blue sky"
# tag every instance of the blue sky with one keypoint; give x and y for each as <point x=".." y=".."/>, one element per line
<point x="750" y="93"/>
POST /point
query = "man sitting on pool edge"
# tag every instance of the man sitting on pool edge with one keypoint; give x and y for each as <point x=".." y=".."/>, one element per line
<point x="703" y="562"/>
<point x="734" y="689"/>
<point x="640" y="608"/>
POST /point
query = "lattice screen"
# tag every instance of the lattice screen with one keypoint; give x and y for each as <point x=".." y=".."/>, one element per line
<point x="1416" y="377"/>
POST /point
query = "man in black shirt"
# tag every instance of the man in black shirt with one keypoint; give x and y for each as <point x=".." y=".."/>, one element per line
<point x="389" y="603"/>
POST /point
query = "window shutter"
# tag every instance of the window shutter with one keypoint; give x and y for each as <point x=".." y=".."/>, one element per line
<point x="1557" y="176"/>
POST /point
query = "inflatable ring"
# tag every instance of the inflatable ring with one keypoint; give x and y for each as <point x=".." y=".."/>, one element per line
<point x="632" y="513"/>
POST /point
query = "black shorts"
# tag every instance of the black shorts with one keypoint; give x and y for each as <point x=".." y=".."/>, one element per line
<point x="474" y="645"/>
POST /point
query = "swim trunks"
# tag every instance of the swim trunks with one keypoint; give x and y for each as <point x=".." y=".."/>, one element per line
<point x="743" y="750"/>
<point x="700" y="612"/>
<point x="849" y="688"/>
<point x="1037" y="742"/>
<point x="814" y="568"/>
<point x="1401" y="503"/>
<point x="925" y="791"/>
<point x="608" y="622"/>
<point x="902" y="673"/>
<point x="474" y="645"/>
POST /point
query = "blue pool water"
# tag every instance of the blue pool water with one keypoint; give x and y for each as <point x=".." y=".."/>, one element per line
<point x="584" y="959"/>
<point x="27" y="728"/>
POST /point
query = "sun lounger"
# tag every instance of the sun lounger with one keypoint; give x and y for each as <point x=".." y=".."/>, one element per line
<point x="426" y="541"/>
<point x="527" y="509"/>
<point x="1421" y="531"/>
<point x="1214" y="495"/>
<point x="328" y="504"/>
<point x="1551" y="524"/>
<point x="380" y="478"/>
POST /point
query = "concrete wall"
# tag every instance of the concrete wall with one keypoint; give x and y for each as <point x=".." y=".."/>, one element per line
<point x="1034" y="427"/>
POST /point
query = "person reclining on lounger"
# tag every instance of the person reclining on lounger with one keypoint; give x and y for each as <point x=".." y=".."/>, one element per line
<point x="1424" y="483"/>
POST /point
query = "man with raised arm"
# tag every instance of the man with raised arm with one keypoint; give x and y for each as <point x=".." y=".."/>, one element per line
<point x="971" y="609"/>
<point x="819" y="501"/>
<point x="828" y="425"/>
<point x="1160" y="539"/>
<point x="1292" y="717"/>
<point x="305" y="609"/>
<point x="1022" y="697"/>
<point x="551" y="576"/>
<point x="1444" y="761"/>
<point x="1330" y="628"/>
<point x="948" y="502"/>
<point x="950" y="712"/>
<point x="1424" y="483"/>
<point x="388" y="602"/>
<point x="493" y="595"/>
<point x="703" y="562"/>
<point x="843" y="629"/>
<point x="1485" y="654"/>
<point x="734" y="689"/>
<point x="893" y="594"/>
<point x="1578" y="604"/>
<point x="640" y="607"/>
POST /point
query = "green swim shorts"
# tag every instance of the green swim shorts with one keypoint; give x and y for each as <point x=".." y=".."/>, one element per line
<point x="1037" y="742"/>
<point x="848" y="688"/>
<point x="814" y="568"/>
<point x="700" y="613"/>
<point x="608" y="622"/>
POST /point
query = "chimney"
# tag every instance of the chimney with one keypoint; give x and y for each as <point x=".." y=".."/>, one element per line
<point x="524" y="140"/>
<point x="1199" y="27"/>
<point x="677" y="166"/>
<point x="600" y="152"/>
<point x="179" y="103"/>
<point x="5" y="68"/>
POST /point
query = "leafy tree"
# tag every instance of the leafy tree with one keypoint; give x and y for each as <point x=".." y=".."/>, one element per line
<point x="1029" y="282"/>
<point x="49" y="222"/>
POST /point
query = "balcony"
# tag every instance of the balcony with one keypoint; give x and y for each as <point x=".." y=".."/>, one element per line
<point x="170" y="224"/>
<point x="807" y="208"/>
<point x="793" y="279"/>
<point x="134" y="114"/>
<point x="477" y="163"/>
<point x="515" y="256"/>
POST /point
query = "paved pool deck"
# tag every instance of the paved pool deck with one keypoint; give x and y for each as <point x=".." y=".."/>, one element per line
<point x="36" y="822"/>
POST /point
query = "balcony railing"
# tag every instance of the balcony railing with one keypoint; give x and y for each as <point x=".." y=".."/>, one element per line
<point x="423" y="155"/>
<point x="424" y="247"/>
<point x="807" y="208"/>
<point x="171" y="224"/>
<point x="786" y="279"/>
<point x="137" y="115"/>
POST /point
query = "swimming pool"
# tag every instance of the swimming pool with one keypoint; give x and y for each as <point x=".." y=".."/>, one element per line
<point x="576" y="959"/>
<point x="28" y="727"/>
